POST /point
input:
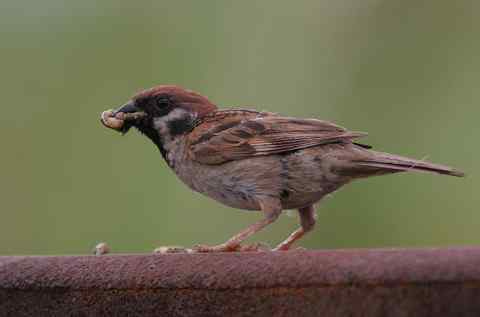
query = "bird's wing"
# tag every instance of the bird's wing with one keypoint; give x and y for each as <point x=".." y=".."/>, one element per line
<point x="240" y="136"/>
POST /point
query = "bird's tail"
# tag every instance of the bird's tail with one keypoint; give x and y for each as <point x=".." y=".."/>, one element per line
<point x="384" y="163"/>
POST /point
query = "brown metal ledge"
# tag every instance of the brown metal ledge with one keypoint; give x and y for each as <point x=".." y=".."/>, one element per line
<point x="410" y="282"/>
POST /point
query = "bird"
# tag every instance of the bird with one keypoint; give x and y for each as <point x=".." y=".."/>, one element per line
<point x="255" y="160"/>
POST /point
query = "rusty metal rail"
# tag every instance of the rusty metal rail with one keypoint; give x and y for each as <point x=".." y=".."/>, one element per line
<point x="411" y="282"/>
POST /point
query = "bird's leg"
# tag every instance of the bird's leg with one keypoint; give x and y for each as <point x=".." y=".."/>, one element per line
<point x="271" y="208"/>
<point x="307" y="222"/>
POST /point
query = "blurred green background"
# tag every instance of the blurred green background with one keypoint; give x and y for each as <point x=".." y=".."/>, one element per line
<point x="405" y="71"/>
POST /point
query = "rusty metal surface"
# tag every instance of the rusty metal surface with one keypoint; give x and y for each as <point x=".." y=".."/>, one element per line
<point x="411" y="282"/>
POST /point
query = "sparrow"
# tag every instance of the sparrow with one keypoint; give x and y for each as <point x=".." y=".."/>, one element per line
<point x="255" y="160"/>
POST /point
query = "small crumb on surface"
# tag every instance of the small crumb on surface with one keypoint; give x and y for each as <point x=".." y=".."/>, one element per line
<point x="101" y="249"/>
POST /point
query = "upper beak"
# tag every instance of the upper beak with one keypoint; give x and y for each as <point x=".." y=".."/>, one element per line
<point x="129" y="107"/>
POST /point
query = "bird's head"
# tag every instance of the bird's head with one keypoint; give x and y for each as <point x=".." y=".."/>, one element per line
<point x="162" y="113"/>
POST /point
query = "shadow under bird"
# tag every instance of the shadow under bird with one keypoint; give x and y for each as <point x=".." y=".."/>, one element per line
<point x="255" y="160"/>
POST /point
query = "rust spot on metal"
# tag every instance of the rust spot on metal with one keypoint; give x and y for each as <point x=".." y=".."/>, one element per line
<point x="415" y="282"/>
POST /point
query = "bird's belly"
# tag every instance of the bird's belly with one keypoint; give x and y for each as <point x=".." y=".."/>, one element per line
<point x="237" y="184"/>
<point x="303" y="199"/>
<point x="234" y="199"/>
<point x="298" y="180"/>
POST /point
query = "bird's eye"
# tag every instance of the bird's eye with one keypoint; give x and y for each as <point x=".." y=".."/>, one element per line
<point x="163" y="102"/>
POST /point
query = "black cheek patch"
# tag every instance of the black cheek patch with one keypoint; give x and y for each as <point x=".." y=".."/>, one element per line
<point x="180" y="126"/>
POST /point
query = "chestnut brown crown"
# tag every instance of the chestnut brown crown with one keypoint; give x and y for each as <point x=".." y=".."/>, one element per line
<point x="161" y="100"/>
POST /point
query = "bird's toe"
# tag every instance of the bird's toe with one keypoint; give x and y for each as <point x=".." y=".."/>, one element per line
<point x="224" y="247"/>
<point x="171" y="249"/>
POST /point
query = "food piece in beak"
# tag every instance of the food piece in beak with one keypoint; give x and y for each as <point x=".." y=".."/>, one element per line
<point x="110" y="121"/>
<point x="122" y="118"/>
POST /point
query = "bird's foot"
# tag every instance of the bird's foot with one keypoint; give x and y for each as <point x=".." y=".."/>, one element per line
<point x="287" y="248"/>
<point x="171" y="249"/>
<point x="224" y="247"/>
<point x="256" y="247"/>
<point x="230" y="247"/>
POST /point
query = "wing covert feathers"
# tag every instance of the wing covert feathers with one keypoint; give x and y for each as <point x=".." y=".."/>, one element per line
<point x="241" y="134"/>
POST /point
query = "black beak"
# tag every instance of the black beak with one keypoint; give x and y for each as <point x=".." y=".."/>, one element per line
<point x="129" y="107"/>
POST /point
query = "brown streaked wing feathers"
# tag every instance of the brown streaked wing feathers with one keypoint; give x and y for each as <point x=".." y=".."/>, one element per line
<point x="249" y="134"/>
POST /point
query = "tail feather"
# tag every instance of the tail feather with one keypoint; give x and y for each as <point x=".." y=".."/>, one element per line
<point x="396" y="163"/>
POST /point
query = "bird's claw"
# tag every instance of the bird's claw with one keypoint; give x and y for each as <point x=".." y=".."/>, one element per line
<point x="225" y="247"/>
<point x="256" y="247"/>
<point x="171" y="249"/>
